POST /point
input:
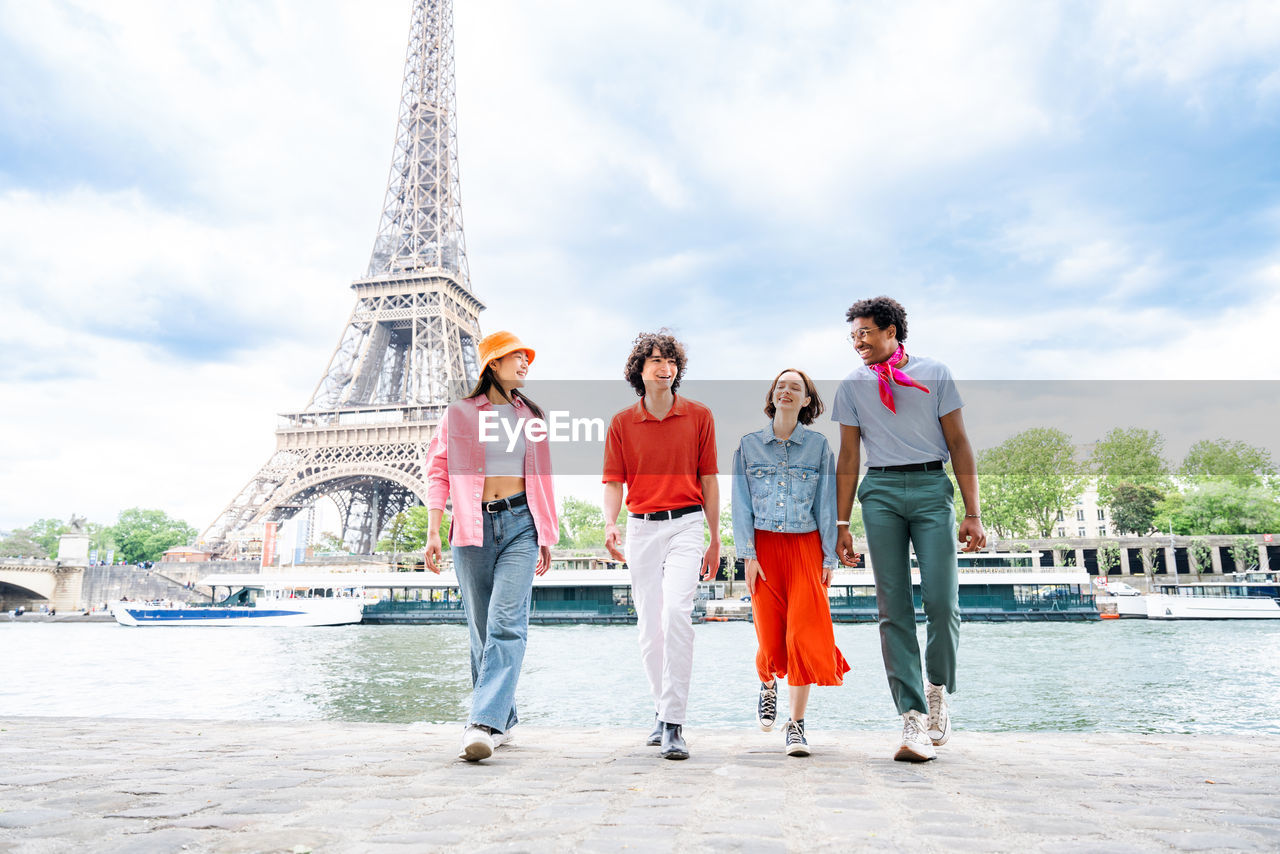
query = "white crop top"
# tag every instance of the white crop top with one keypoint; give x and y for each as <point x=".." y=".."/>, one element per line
<point x="498" y="461"/>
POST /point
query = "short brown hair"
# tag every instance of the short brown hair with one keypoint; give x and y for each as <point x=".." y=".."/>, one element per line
<point x="643" y="347"/>
<point x="809" y="412"/>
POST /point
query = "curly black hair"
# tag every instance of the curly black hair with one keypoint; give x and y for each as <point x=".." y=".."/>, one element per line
<point x="641" y="349"/>
<point x="883" y="311"/>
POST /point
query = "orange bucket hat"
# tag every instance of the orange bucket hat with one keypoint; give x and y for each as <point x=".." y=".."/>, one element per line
<point x="498" y="344"/>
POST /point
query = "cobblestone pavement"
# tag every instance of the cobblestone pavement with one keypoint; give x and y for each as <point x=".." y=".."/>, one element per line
<point x="75" y="784"/>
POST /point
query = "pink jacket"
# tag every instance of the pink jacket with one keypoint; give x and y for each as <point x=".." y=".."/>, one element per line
<point x="455" y="468"/>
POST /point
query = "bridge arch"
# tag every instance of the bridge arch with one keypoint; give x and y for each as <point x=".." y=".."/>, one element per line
<point x="368" y="495"/>
<point x="20" y="582"/>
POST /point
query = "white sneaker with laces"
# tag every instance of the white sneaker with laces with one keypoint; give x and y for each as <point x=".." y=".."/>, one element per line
<point x="477" y="743"/>
<point x="939" y="715"/>
<point x="916" y="745"/>
<point x="795" y="745"/>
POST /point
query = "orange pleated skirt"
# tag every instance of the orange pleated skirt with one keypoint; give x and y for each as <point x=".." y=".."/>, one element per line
<point x="792" y="613"/>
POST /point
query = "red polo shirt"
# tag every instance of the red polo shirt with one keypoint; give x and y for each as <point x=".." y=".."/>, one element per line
<point x="661" y="461"/>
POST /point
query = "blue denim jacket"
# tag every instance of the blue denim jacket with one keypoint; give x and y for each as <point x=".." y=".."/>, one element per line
<point x="787" y="486"/>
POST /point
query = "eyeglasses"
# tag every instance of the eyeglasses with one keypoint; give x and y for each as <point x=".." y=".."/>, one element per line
<point x="861" y="333"/>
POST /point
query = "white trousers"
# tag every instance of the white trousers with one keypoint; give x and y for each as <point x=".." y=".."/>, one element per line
<point x="664" y="557"/>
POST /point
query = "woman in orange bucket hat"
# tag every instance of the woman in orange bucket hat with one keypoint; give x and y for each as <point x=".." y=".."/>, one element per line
<point x="497" y="473"/>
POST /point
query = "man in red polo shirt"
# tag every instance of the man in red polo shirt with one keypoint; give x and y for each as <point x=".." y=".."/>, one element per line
<point x="664" y="450"/>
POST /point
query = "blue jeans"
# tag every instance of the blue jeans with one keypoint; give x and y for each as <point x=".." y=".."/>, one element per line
<point x="496" y="580"/>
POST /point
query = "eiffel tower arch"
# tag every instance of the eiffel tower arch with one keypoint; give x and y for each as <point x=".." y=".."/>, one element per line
<point x="409" y="346"/>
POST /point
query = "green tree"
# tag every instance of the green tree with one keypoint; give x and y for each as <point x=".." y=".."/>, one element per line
<point x="582" y="523"/>
<point x="331" y="542"/>
<point x="726" y="532"/>
<point x="21" y="543"/>
<point x="47" y="532"/>
<point x="1108" y="558"/>
<point x="1027" y="479"/>
<point x="408" y="531"/>
<point x="142" y="535"/>
<point x="1244" y="553"/>
<point x="1200" y="554"/>
<point x="1220" y="507"/>
<point x="1131" y="455"/>
<point x="1242" y="464"/>
<point x="1133" y="507"/>
<point x="100" y="538"/>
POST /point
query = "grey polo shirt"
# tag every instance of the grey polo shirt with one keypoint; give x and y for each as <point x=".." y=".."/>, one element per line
<point x="913" y="434"/>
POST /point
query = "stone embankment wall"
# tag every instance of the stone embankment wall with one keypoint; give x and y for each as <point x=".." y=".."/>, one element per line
<point x="103" y="584"/>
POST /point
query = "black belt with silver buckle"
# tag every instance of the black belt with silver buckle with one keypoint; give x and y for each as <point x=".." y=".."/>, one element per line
<point x="667" y="514"/>
<point x="505" y="503"/>
<point x="932" y="465"/>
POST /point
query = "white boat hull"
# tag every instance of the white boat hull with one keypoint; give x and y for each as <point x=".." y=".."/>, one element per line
<point x="1162" y="606"/>
<point x="280" y="612"/>
<point x="1126" y="607"/>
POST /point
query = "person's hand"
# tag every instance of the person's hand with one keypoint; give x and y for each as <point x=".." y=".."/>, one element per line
<point x="711" y="560"/>
<point x="544" y="560"/>
<point x="827" y="572"/>
<point x="753" y="570"/>
<point x="971" y="535"/>
<point x="613" y="541"/>
<point x="433" y="552"/>
<point x="844" y="547"/>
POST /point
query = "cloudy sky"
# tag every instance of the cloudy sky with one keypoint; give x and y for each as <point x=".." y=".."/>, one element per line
<point x="1074" y="191"/>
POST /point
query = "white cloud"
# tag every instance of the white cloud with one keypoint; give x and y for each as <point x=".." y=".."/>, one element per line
<point x="247" y="148"/>
<point x="1187" y="43"/>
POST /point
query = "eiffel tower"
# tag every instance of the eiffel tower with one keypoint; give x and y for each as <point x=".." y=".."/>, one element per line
<point x="409" y="347"/>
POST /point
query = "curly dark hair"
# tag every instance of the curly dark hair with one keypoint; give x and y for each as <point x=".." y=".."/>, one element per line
<point x="809" y="412"/>
<point x="884" y="311"/>
<point x="641" y="349"/>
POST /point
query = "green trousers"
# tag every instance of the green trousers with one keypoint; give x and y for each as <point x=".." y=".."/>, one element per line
<point x="901" y="510"/>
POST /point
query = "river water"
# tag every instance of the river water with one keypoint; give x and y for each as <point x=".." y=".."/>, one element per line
<point x="1118" y="675"/>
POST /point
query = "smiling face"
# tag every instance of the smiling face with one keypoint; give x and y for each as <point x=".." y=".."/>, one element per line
<point x="874" y="345"/>
<point x="511" y="369"/>
<point x="659" y="371"/>
<point x="789" y="395"/>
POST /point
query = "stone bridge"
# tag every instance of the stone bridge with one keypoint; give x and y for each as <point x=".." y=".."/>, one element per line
<point x="32" y="583"/>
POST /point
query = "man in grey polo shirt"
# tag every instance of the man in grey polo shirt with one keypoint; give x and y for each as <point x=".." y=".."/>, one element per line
<point x="906" y="410"/>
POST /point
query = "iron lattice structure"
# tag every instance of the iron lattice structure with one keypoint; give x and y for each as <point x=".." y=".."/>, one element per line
<point x="409" y="347"/>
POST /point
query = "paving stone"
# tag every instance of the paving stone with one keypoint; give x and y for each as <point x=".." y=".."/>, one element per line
<point x="169" y="810"/>
<point x="557" y="792"/>
<point x="34" y="778"/>
<point x="1212" y="842"/>
<point x="157" y="842"/>
<point x="424" y="838"/>
<point x="31" y="817"/>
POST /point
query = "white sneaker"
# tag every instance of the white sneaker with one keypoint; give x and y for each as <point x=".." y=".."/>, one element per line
<point x="795" y="742"/>
<point x="477" y="743"/>
<point x="939" y="716"/>
<point x="501" y="738"/>
<point x="916" y="745"/>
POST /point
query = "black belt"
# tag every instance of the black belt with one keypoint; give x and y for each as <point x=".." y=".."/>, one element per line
<point x="932" y="465"/>
<point x="505" y="503"/>
<point x="667" y="514"/>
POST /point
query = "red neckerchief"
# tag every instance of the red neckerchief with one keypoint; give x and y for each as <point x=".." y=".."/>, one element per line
<point x="888" y="374"/>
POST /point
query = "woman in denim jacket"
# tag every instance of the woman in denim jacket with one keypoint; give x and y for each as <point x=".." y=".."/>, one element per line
<point x="784" y="524"/>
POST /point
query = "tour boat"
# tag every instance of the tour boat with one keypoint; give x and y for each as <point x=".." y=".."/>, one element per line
<point x="257" y="602"/>
<point x="1211" y="600"/>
